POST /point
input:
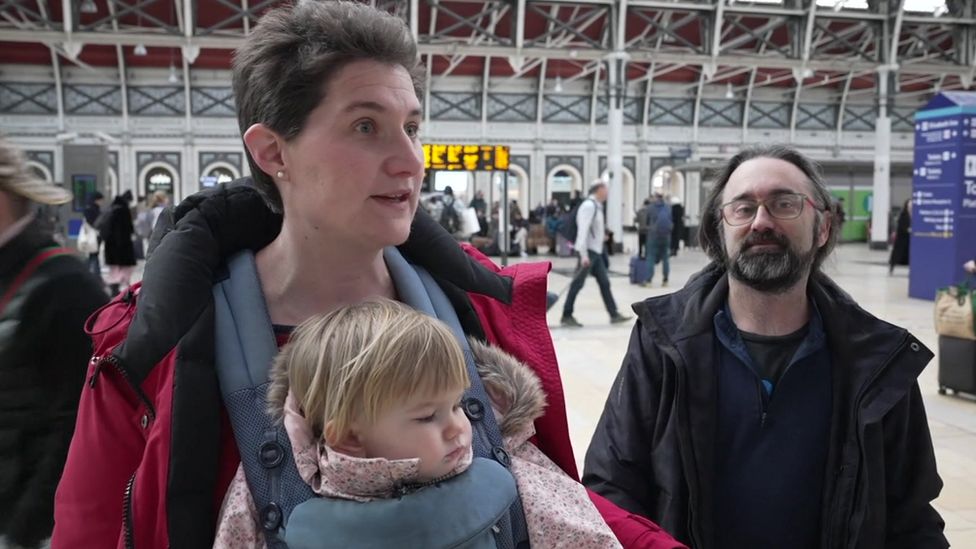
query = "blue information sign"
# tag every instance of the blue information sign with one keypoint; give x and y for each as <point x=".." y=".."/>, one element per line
<point x="943" y="192"/>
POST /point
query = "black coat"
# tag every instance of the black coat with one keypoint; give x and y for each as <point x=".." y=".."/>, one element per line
<point x="653" y="449"/>
<point x="119" y="249"/>
<point x="43" y="359"/>
<point x="903" y="235"/>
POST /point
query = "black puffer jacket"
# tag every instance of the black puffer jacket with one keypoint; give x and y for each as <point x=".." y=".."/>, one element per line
<point x="653" y="450"/>
<point x="119" y="249"/>
<point x="43" y="358"/>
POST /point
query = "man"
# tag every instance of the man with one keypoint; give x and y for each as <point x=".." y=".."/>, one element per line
<point x="45" y="297"/>
<point x="590" y="239"/>
<point x="642" y="229"/>
<point x="678" y="230"/>
<point x="760" y="406"/>
<point x="93" y="210"/>
<point x="659" y="228"/>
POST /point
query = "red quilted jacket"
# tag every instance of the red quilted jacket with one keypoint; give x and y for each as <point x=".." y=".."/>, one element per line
<point x="153" y="452"/>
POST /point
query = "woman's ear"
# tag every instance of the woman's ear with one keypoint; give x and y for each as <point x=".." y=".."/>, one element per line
<point x="265" y="146"/>
<point x="349" y="444"/>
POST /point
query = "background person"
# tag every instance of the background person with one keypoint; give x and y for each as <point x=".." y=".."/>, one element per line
<point x="46" y="294"/>
<point x="91" y="214"/>
<point x="119" y="251"/>
<point x="903" y="237"/>
<point x="590" y="242"/>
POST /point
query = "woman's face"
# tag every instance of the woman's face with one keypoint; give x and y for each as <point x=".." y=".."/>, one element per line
<point x="353" y="174"/>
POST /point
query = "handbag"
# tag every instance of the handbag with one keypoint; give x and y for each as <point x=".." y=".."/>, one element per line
<point x="469" y="222"/>
<point x="87" y="239"/>
<point x="954" y="310"/>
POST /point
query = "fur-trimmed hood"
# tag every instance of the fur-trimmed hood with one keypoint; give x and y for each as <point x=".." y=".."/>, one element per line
<point x="516" y="392"/>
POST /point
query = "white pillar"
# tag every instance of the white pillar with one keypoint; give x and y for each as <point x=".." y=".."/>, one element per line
<point x="616" y="84"/>
<point x="882" y="168"/>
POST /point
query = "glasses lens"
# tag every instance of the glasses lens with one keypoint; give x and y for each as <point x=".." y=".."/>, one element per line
<point x="739" y="211"/>
<point x="786" y="206"/>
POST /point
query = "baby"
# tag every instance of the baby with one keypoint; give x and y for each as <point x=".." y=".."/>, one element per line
<point x="370" y="396"/>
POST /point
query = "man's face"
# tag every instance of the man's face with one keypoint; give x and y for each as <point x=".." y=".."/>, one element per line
<point x="770" y="254"/>
<point x="601" y="193"/>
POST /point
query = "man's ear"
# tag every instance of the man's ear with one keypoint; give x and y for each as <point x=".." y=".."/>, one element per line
<point x="265" y="146"/>
<point x="825" y="224"/>
<point x="349" y="444"/>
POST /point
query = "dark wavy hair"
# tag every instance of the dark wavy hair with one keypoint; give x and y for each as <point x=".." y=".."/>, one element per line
<point x="281" y="71"/>
<point x="710" y="234"/>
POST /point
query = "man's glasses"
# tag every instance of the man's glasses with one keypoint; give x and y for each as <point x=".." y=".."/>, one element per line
<point x="781" y="206"/>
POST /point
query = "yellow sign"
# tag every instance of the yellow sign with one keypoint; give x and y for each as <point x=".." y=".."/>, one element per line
<point x="471" y="158"/>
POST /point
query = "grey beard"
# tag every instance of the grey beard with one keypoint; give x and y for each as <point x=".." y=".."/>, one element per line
<point x="770" y="272"/>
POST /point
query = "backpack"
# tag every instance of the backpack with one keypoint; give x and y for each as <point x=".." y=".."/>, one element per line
<point x="567" y="222"/>
<point x="659" y="222"/>
<point x="144" y="223"/>
<point x="450" y="219"/>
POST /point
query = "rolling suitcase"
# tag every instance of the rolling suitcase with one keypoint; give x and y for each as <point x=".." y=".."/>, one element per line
<point x="640" y="272"/>
<point x="957" y="365"/>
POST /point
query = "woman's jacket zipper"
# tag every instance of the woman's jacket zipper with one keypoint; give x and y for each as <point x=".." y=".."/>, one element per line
<point x="127" y="514"/>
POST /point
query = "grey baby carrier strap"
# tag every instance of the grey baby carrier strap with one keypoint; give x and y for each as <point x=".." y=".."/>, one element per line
<point x="245" y="348"/>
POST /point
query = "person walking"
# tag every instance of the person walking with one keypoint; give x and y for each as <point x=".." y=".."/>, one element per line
<point x="46" y="294"/>
<point x="641" y="218"/>
<point x="659" y="227"/>
<point x="678" y="230"/>
<point x="119" y="251"/>
<point x="590" y="241"/>
<point x="903" y="237"/>
<point x="760" y="406"/>
<point x="93" y="210"/>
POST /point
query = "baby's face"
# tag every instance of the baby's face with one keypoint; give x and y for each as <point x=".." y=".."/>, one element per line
<point x="432" y="428"/>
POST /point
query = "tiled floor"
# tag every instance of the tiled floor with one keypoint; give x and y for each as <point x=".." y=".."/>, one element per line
<point x="589" y="359"/>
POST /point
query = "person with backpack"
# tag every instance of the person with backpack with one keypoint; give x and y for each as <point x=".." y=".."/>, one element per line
<point x="46" y="293"/>
<point x="450" y="211"/>
<point x="371" y="399"/>
<point x="92" y="215"/>
<point x="328" y="96"/>
<point x="590" y="238"/>
<point x="659" y="226"/>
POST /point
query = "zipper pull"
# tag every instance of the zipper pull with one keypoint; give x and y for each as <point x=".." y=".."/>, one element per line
<point x="97" y="361"/>
<point x="762" y="420"/>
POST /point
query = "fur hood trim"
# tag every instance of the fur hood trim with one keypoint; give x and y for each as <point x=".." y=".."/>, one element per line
<point x="513" y="387"/>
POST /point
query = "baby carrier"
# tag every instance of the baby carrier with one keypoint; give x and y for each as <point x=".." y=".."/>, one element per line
<point x="477" y="509"/>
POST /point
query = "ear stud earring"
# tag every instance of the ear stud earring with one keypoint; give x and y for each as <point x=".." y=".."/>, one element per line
<point x="280" y="174"/>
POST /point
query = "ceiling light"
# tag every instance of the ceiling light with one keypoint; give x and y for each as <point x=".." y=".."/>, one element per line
<point x="139" y="50"/>
<point x="173" y="77"/>
<point x="88" y="6"/>
<point x="558" y="86"/>
<point x="729" y="93"/>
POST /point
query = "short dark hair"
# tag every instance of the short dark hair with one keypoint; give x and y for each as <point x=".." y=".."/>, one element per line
<point x="281" y="71"/>
<point x="711" y="218"/>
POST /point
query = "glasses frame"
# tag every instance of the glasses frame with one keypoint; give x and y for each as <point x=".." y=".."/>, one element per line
<point x="762" y="203"/>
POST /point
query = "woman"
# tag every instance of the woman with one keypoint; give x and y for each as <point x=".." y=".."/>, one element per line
<point x="328" y="98"/>
<point x="903" y="234"/>
<point x="120" y="254"/>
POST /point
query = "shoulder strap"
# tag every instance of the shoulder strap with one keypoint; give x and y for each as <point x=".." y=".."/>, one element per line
<point x="245" y="347"/>
<point x="28" y="270"/>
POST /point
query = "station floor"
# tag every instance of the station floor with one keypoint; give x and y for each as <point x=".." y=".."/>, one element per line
<point x="589" y="358"/>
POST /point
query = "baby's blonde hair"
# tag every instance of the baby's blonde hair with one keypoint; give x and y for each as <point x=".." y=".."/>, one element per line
<point x="358" y="361"/>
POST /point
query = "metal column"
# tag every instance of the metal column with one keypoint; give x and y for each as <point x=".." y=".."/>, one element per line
<point x="882" y="167"/>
